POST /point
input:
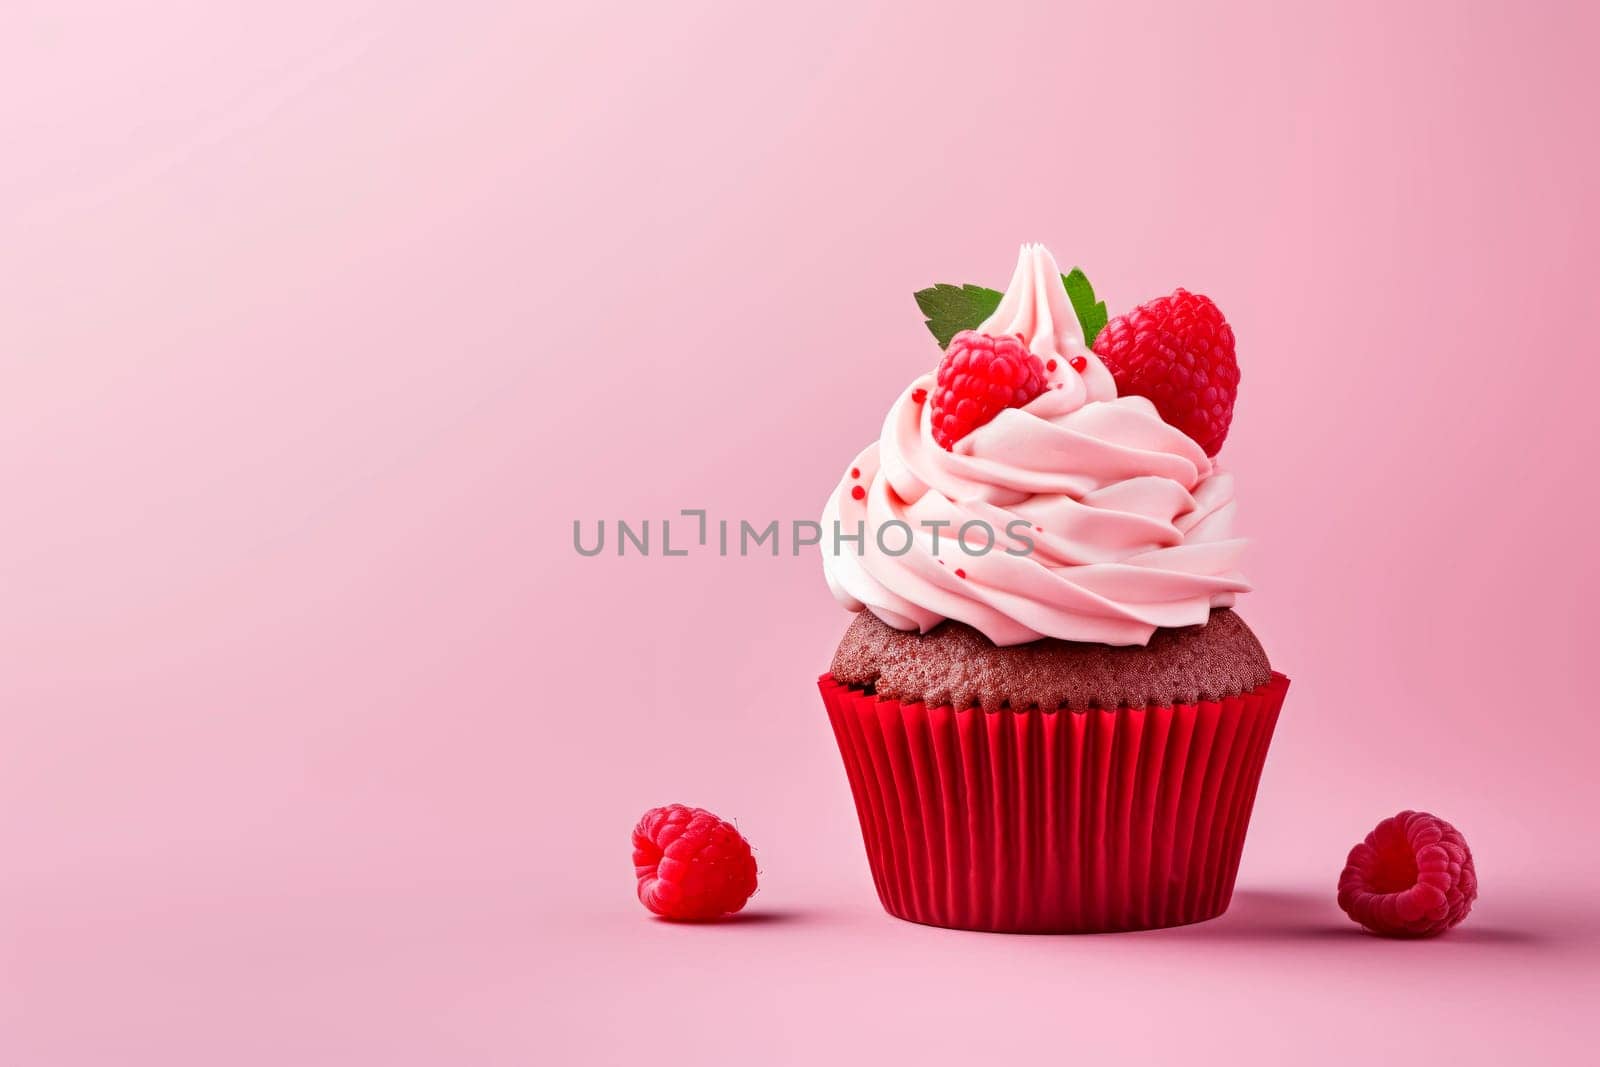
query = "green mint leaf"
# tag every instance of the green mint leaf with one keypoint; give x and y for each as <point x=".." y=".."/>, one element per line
<point x="953" y="308"/>
<point x="1091" y="313"/>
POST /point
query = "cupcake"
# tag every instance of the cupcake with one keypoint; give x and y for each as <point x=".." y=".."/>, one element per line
<point x="1051" y="715"/>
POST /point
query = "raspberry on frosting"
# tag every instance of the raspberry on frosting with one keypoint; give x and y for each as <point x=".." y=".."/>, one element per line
<point x="1412" y="877"/>
<point x="1177" y="352"/>
<point x="690" y="864"/>
<point x="979" y="377"/>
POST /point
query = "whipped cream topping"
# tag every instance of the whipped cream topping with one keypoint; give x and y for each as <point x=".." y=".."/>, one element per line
<point x="1106" y="521"/>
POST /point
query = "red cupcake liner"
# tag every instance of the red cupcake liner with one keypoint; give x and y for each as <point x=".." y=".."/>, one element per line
<point x="1054" y="821"/>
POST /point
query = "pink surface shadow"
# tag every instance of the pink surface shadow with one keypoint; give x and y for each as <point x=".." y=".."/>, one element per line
<point x="1303" y="916"/>
<point x="750" y="918"/>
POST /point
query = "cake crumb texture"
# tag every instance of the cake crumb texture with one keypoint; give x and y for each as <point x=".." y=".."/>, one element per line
<point x="956" y="665"/>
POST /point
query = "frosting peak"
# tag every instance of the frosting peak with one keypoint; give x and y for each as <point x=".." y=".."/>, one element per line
<point x="1081" y="515"/>
<point x="1035" y="307"/>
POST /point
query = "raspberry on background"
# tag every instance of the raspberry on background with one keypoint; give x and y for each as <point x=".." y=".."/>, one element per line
<point x="691" y="865"/>
<point x="1413" y="876"/>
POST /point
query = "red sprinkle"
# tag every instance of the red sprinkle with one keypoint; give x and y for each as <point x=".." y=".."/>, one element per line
<point x="918" y="395"/>
<point x="960" y="573"/>
<point x="1078" y="363"/>
<point x="856" y="492"/>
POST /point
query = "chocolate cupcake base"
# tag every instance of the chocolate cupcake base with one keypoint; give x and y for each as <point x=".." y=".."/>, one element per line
<point x="956" y="665"/>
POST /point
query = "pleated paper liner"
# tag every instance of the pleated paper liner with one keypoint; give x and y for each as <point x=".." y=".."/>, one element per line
<point x="1054" y="821"/>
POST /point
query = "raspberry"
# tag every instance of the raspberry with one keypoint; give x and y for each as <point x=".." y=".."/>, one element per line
<point x="979" y="377"/>
<point x="691" y="865"/>
<point x="1411" y="877"/>
<point x="1177" y="351"/>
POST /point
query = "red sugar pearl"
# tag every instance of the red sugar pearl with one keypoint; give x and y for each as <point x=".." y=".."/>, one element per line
<point x="1078" y="363"/>
<point x="856" y="492"/>
<point x="918" y="395"/>
<point x="855" y="472"/>
<point x="1051" y="365"/>
<point x="960" y="573"/>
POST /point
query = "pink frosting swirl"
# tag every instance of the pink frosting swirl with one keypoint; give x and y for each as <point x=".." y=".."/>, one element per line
<point x="1106" y="521"/>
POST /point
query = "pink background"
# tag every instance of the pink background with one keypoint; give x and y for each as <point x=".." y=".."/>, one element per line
<point x="321" y="325"/>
